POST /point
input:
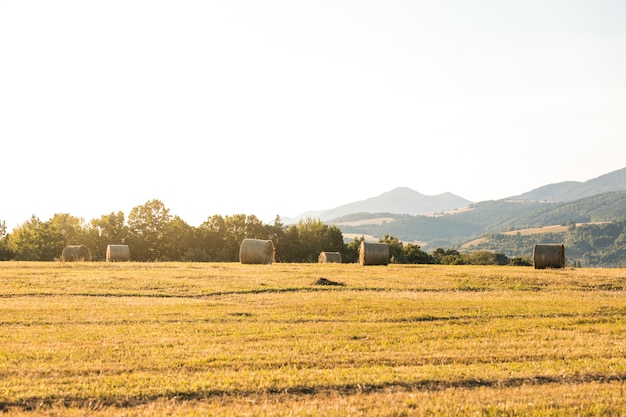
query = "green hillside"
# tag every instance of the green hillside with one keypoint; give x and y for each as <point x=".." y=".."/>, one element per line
<point x="601" y="244"/>
<point x="594" y="243"/>
<point x="446" y="230"/>
<point x="599" y="208"/>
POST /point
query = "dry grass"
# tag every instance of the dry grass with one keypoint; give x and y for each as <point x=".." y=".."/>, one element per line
<point x="232" y="339"/>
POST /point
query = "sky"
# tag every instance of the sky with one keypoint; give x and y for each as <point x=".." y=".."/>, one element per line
<point x="274" y="107"/>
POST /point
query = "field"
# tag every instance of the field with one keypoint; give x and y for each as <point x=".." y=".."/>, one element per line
<point x="139" y="339"/>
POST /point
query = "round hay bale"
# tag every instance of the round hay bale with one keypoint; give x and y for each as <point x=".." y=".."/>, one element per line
<point x="329" y="258"/>
<point x="256" y="251"/>
<point x="549" y="256"/>
<point x="374" y="253"/>
<point x="76" y="253"/>
<point x="118" y="253"/>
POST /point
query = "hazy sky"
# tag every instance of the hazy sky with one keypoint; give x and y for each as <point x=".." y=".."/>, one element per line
<point x="280" y="107"/>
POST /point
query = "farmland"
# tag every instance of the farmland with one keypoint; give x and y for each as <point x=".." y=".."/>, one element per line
<point x="230" y="339"/>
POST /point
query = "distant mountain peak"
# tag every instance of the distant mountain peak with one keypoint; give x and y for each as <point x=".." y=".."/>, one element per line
<point x="400" y="200"/>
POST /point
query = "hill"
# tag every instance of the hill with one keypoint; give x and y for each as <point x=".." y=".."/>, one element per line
<point x="573" y="190"/>
<point x="454" y="229"/>
<point x="401" y="200"/>
<point x="437" y="221"/>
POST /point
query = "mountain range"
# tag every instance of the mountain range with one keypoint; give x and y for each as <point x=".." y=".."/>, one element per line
<point x="403" y="200"/>
<point x="400" y="200"/>
<point x="450" y="220"/>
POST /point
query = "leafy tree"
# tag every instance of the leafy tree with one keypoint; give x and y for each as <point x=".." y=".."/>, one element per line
<point x="179" y="239"/>
<point x="5" y="252"/>
<point x="448" y="257"/>
<point x="31" y="241"/>
<point x="304" y="241"/>
<point x="352" y="250"/>
<point x="413" y="254"/>
<point x="146" y="226"/>
<point x="484" y="257"/>
<point x="396" y="249"/>
<point x="64" y="229"/>
<point x="220" y="237"/>
<point x="211" y="235"/>
<point x="109" y="229"/>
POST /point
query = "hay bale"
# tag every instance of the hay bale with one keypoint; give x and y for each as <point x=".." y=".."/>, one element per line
<point x="329" y="258"/>
<point x="118" y="253"/>
<point x="549" y="256"/>
<point x="256" y="251"/>
<point x="76" y="253"/>
<point x="374" y="253"/>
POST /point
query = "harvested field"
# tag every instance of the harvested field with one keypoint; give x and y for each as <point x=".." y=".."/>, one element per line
<point x="233" y="339"/>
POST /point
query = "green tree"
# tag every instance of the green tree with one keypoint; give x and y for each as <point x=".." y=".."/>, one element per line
<point x="211" y="235"/>
<point x="396" y="249"/>
<point x="352" y="250"/>
<point x="304" y="241"/>
<point x="146" y="225"/>
<point x="65" y="229"/>
<point x="31" y="241"/>
<point x="413" y="254"/>
<point x="5" y="252"/>
<point x="484" y="257"/>
<point x="220" y="237"/>
<point x="109" y="229"/>
<point x="448" y="257"/>
<point x="179" y="240"/>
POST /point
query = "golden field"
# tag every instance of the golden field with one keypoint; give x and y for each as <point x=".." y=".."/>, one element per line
<point x="139" y="339"/>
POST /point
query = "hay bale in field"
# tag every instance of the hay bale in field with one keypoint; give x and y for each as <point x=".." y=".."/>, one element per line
<point x="549" y="256"/>
<point x="256" y="251"/>
<point x="329" y="258"/>
<point x="76" y="253"/>
<point x="118" y="253"/>
<point x="374" y="253"/>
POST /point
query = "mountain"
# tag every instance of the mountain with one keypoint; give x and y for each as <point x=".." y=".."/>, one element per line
<point x="574" y="190"/>
<point x="605" y="207"/>
<point x="400" y="200"/>
<point x="433" y="220"/>
<point x="487" y="217"/>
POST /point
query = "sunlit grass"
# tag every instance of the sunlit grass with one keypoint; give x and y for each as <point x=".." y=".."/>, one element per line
<point x="231" y="339"/>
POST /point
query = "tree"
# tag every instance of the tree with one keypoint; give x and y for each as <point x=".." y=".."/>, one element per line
<point x="5" y="252"/>
<point x="413" y="254"/>
<point x="211" y="234"/>
<point x="352" y="250"/>
<point x="220" y="237"/>
<point x="304" y="241"/>
<point x="109" y="229"/>
<point x="396" y="250"/>
<point x="146" y="226"/>
<point x="179" y="239"/>
<point x="484" y="257"/>
<point x="31" y="241"/>
<point x="64" y="229"/>
<point x="448" y="257"/>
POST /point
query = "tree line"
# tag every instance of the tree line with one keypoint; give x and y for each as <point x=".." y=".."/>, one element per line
<point x="154" y="234"/>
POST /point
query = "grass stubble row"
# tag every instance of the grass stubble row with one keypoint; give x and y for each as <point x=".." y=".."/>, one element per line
<point x="232" y="339"/>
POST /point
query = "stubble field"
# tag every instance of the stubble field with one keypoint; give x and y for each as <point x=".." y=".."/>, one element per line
<point x="230" y="339"/>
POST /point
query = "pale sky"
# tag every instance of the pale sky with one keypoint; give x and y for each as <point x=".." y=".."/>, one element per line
<point x="281" y="107"/>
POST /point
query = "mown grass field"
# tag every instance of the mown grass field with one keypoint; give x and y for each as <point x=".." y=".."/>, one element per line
<point x="228" y="339"/>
